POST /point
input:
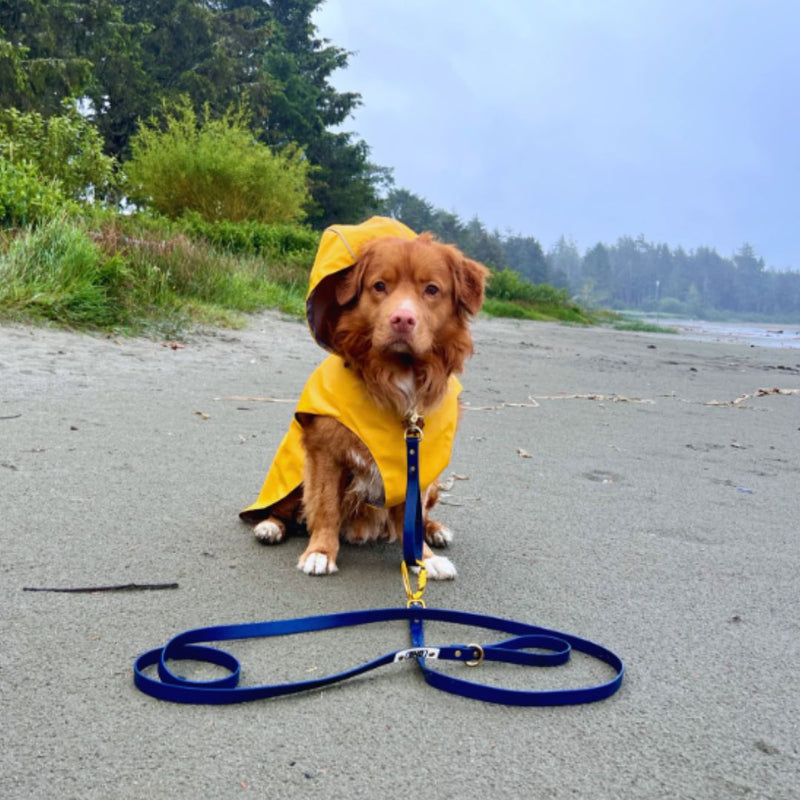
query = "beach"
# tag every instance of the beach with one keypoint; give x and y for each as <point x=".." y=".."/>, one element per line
<point x="636" y="489"/>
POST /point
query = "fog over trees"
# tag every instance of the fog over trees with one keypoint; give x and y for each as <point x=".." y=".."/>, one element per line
<point x="631" y="273"/>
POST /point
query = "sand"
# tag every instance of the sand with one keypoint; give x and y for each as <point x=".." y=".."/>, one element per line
<point x="635" y="489"/>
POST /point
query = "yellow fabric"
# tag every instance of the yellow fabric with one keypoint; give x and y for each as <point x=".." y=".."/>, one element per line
<point x="334" y="390"/>
<point x="338" y="249"/>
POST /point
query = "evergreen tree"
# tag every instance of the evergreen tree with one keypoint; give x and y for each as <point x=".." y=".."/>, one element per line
<point x="525" y="255"/>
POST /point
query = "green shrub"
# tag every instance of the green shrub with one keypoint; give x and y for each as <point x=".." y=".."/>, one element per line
<point x="507" y="308"/>
<point x="66" y="148"/>
<point x="509" y="294"/>
<point x="26" y="196"/>
<point x="215" y="168"/>
<point x="255" y="238"/>
<point x="507" y="284"/>
<point x="642" y="327"/>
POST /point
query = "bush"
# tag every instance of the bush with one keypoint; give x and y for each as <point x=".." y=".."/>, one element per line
<point x="214" y="168"/>
<point x="65" y="148"/>
<point x="26" y="196"/>
<point x="510" y="285"/>
<point x="255" y="238"/>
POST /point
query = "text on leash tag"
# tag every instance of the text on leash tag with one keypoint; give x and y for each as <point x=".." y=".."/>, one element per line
<point x="417" y="652"/>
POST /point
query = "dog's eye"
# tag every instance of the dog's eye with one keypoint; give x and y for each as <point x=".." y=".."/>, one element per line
<point x="432" y="289"/>
<point x="379" y="286"/>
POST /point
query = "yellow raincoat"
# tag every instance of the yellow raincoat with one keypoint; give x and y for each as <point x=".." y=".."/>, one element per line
<point x="336" y="391"/>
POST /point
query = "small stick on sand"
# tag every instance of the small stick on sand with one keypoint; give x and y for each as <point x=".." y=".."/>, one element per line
<point x="124" y="587"/>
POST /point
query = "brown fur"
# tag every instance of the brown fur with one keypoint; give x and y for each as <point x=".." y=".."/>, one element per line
<point x="403" y="327"/>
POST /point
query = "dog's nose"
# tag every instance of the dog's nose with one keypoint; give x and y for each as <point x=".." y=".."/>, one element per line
<point x="403" y="320"/>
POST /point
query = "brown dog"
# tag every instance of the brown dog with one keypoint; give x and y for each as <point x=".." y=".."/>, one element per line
<point x="401" y="330"/>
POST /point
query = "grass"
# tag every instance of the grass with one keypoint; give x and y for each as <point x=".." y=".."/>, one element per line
<point x="132" y="275"/>
<point x="643" y="327"/>
<point x="522" y="309"/>
<point x="146" y="275"/>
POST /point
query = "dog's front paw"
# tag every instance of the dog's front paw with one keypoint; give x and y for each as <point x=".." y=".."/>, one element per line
<point x="440" y="568"/>
<point x="437" y="535"/>
<point x="317" y="564"/>
<point x="269" y="532"/>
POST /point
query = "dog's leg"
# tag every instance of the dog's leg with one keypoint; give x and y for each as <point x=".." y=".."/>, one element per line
<point x="440" y="568"/>
<point x="323" y="491"/>
<point x="272" y="530"/>
<point x="436" y="534"/>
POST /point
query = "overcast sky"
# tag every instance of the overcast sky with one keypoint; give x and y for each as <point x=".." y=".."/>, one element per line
<point x="676" y="119"/>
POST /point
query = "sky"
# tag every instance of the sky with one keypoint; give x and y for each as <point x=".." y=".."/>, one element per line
<point x="675" y="119"/>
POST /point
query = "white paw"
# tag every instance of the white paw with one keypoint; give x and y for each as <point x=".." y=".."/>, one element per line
<point x="269" y="532"/>
<point x="440" y="568"/>
<point x="441" y="538"/>
<point x="317" y="564"/>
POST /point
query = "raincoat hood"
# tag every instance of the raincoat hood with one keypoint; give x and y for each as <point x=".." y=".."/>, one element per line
<point x="338" y="250"/>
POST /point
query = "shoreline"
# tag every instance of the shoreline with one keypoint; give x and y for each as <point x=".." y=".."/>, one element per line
<point x="755" y="333"/>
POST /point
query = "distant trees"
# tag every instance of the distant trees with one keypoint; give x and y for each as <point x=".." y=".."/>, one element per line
<point x="630" y="274"/>
<point x="525" y="255"/>
<point x="564" y="262"/>
<point x="636" y="274"/>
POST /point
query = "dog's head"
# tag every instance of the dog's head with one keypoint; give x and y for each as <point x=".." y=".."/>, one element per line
<point x="409" y="300"/>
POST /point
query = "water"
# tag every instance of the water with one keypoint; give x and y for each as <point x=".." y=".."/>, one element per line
<point x="760" y="334"/>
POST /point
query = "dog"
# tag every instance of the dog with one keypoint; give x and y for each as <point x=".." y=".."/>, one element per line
<point x="397" y="322"/>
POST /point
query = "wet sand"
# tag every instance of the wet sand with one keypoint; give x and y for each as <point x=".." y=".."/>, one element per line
<point x="635" y="489"/>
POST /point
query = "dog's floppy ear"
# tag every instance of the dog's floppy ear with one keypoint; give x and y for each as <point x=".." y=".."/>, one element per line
<point x="348" y="287"/>
<point x="470" y="282"/>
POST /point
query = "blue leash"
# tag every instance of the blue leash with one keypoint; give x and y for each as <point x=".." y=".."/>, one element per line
<point x="551" y="648"/>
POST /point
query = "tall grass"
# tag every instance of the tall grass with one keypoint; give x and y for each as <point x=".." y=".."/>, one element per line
<point x="123" y="274"/>
<point x="56" y="272"/>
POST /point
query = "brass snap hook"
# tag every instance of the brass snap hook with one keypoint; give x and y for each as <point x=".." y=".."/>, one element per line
<point x="414" y="597"/>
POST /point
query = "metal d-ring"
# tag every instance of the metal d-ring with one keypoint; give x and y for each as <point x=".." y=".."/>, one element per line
<point x="478" y="655"/>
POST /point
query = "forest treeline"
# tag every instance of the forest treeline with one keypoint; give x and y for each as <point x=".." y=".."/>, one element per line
<point x="631" y="274"/>
<point x="224" y="111"/>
